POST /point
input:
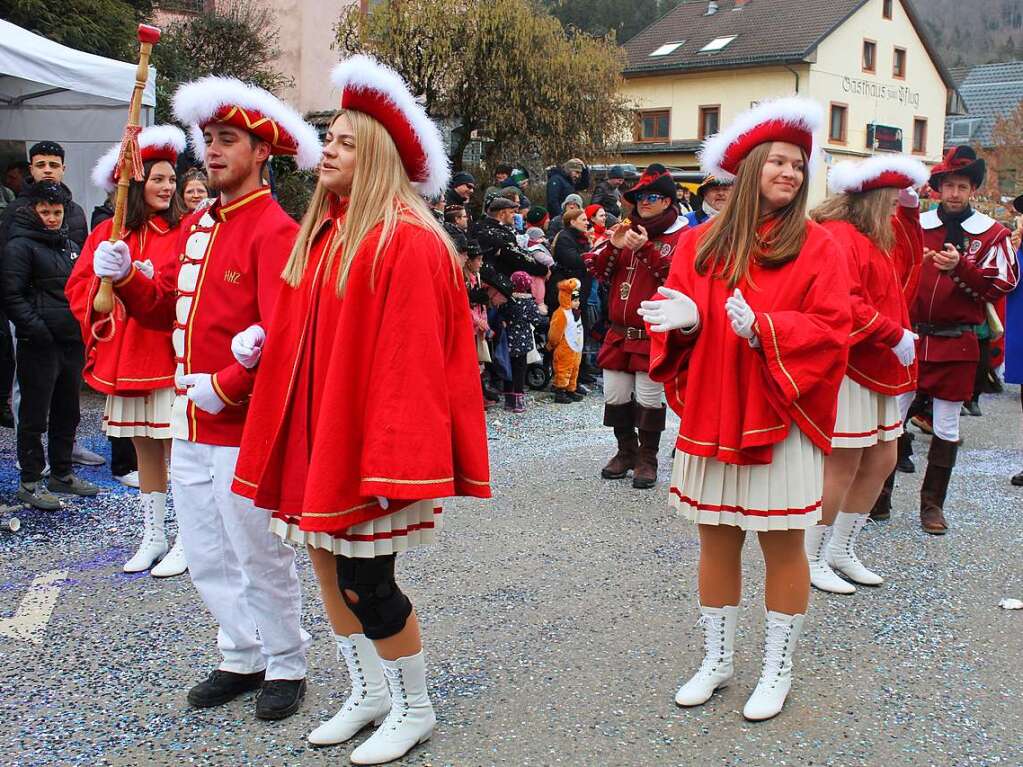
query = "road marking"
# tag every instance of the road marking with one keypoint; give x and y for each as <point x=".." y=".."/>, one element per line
<point x="33" y="614"/>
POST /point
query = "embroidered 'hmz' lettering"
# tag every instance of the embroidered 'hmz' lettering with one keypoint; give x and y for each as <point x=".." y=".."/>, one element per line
<point x="232" y="277"/>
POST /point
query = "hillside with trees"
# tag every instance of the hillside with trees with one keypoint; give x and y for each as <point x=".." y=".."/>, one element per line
<point x="970" y="32"/>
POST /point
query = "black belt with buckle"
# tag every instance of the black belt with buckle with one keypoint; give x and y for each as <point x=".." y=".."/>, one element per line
<point x="942" y="331"/>
<point x="631" y="334"/>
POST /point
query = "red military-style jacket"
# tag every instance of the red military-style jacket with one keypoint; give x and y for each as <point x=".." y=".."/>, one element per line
<point x="227" y="277"/>
<point x="986" y="271"/>
<point x="631" y="278"/>
<point x="880" y="312"/>
<point x="131" y="359"/>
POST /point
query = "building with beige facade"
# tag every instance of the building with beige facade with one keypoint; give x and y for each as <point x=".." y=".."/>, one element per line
<point x="306" y="43"/>
<point x="868" y="63"/>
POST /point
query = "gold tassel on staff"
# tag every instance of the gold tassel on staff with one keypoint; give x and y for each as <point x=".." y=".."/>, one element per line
<point x="129" y="167"/>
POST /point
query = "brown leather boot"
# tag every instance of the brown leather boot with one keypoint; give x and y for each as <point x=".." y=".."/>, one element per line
<point x="650" y="424"/>
<point x="623" y="419"/>
<point x="940" y="461"/>
<point x="883" y="505"/>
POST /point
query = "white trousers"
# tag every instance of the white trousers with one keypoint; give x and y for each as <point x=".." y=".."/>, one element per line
<point x="244" y="573"/>
<point x="619" y="388"/>
<point x="946" y="416"/>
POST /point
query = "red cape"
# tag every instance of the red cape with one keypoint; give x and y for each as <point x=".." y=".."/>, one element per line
<point x="373" y="394"/>
<point x="880" y="311"/>
<point x="744" y="400"/>
<point x="135" y="360"/>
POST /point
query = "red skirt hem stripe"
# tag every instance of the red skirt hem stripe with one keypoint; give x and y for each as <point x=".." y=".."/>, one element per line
<point x="741" y="510"/>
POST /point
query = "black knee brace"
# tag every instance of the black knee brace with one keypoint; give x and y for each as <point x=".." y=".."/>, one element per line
<point x="380" y="605"/>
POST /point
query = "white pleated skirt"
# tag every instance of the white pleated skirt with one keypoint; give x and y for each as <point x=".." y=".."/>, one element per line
<point x="865" y="417"/>
<point x="148" y="416"/>
<point x="783" y="495"/>
<point x="401" y="531"/>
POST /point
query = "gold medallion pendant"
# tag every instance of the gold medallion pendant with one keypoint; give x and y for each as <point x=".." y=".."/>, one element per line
<point x="624" y="290"/>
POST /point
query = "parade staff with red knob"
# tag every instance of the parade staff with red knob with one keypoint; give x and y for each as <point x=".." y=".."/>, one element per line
<point x="874" y="215"/>
<point x="129" y="362"/>
<point x="750" y="339"/>
<point x="231" y="257"/>
<point x="368" y="405"/>
<point x="968" y="261"/>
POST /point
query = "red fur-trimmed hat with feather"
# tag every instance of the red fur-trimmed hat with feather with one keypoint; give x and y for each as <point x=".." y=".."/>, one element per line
<point x="877" y="172"/>
<point x="960" y="161"/>
<point x="376" y="90"/>
<point x="157" y="142"/>
<point x="228" y="101"/>
<point x="792" y="119"/>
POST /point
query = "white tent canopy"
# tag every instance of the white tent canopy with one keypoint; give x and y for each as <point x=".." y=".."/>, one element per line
<point x="51" y="92"/>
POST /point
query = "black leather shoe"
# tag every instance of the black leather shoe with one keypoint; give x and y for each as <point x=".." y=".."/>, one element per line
<point x="279" y="698"/>
<point x="1017" y="480"/>
<point x="222" y="687"/>
<point x="905" y="465"/>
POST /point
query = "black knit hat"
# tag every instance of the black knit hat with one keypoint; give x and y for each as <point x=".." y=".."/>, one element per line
<point x="462" y="178"/>
<point x="47" y="148"/>
<point x="47" y="191"/>
<point x="616" y="171"/>
<point x="655" y="180"/>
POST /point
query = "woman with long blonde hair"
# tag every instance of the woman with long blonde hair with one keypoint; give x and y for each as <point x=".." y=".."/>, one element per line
<point x="750" y="341"/>
<point x="367" y="405"/>
<point x="874" y="214"/>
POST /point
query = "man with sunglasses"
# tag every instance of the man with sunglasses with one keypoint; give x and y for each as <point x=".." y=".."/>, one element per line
<point x="460" y="190"/>
<point x="634" y="262"/>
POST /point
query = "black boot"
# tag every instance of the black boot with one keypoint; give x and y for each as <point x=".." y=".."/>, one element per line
<point x="883" y="505"/>
<point x="561" y="397"/>
<point x="622" y="418"/>
<point x="650" y="424"/>
<point x="905" y="461"/>
<point x="222" y="687"/>
<point x="941" y="459"/>
<point x="279" y="698"/>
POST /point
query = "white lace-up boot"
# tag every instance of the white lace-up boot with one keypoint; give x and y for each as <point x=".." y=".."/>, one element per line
<point x="821" y="575"/>
<point x="172" y="564"/>
<point x="841" y="550"/>
<point x="411" y="720"/>
<point x="716" y="670"/>
<point x="154" y="539"/>
<point x="369" y="700"/>
<point x="781" y="637"/>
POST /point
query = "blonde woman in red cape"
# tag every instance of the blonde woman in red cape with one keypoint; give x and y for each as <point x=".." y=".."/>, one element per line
<point x="133" y="364"/>
<point x="750" y="339"/>
<point x="874" y="214"/>
<point x="367" y="406"/>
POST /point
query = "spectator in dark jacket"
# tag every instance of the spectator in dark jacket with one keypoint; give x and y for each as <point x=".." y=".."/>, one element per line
<point x="498" y="244"/>
<point x="460" y="189"/>
<point x="608" y="193"/>
<point x="569" y="248"/>
<point x="571" y="177"/>
<point x="38" y="259"/>
<point x="46" y="163"/>
<point x="572" y="202"/>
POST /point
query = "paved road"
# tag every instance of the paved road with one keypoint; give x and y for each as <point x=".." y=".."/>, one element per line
<point x="559" y="620"/>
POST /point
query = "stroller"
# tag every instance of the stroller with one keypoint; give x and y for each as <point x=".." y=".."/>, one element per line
<point x="539" y="374"/>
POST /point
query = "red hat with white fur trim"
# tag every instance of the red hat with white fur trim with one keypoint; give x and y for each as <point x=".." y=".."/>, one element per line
<point x="157" y="142"/>
<point x="792" y="119"/>
<point x="228" y="101"/>
<point x="369" y="87"/>
<point x="878" y="172"/>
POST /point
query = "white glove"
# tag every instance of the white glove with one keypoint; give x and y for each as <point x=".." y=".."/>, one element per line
<point x="740" y="315"/>
<point x="905" y="349"/>
<point x="383" y="502"/>
<point x="908" y="198"/>
<point x="247" y="346"/>
<point x="112" y="259"/>
<point x="146" y="267"/>
<point x="199" y="387"/>
<point x="676" y="311"/>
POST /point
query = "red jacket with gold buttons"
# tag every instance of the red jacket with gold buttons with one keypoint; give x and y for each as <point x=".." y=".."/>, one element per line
<point x="227" y="278"/>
